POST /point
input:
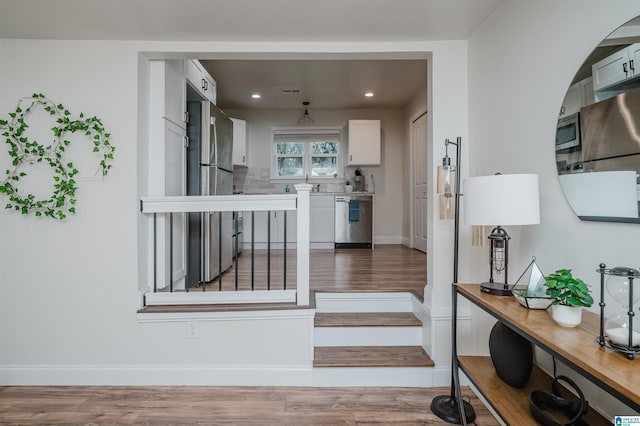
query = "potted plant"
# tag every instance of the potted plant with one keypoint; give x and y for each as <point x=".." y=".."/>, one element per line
<point x="569" y="295"/>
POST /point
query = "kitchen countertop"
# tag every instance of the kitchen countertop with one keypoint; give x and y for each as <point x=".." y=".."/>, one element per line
<point x="344" y="193"/>
<point x="312" y="193"/>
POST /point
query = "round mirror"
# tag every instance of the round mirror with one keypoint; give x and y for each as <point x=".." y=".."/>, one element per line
<point x="598" y="131"/>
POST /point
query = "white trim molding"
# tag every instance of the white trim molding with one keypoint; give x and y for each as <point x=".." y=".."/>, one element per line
<point x="215" y="297"/>
<point x="155" y="375"/>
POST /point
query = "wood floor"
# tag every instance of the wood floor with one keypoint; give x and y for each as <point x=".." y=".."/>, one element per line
<point x="385" y="268"/>
<point x="225" y="406"/>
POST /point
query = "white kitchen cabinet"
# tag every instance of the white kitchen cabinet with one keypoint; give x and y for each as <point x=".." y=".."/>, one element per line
<point x="201" y="80"/>
<point x="167" y="162"/>
<point x="363" y="143"/>
<point x="322" y="218"/>
<point x="578" y="95"/>
<point x="240" y="142"/>
<point x="617" y="67"/>
<point x="586" y="90"/>
<point x="276" y="221"/>
<point x="572" y="101"/>
<point x="168" y="91"/>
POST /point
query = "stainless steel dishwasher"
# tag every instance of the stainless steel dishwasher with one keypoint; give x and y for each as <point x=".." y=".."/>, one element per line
<point x="354" y="221"/>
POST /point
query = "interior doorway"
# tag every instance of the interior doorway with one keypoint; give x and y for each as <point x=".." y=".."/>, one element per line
<point x="419" y="158"/>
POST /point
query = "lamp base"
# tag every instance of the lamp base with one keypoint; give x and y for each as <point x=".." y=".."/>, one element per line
<point x="497" y="289"/>
<point x="446" y="408"/>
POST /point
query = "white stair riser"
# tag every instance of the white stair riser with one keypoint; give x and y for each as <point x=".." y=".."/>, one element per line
<point x="363" y="303"/>
<point x="367" y="336"/>
<point x="420" y="377"/>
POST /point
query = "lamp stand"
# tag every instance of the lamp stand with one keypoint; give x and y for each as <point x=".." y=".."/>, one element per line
<point x="498" y="261"/>
<point x="452" y="408"/>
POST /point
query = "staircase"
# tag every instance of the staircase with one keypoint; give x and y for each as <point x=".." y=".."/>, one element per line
<point x="370" y="339"/>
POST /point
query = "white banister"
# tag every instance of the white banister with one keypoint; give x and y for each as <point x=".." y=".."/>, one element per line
<point x="302" y="249"/>
<point x="218" y="203"/>
<point x="165" y="206"/>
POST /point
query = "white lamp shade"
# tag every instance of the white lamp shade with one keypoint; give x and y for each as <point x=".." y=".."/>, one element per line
<point x="501" y="200"/>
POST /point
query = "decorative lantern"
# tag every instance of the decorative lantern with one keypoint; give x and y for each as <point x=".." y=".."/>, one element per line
<point x="618" y="330"/>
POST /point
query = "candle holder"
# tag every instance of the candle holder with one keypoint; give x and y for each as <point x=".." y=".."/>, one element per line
<point x="618" y="330"/>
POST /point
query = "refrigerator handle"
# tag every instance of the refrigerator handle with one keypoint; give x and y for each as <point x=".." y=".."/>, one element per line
<point x="215" y="139"/>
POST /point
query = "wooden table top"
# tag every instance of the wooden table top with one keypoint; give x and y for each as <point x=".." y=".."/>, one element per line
<point x="577" y="346"/>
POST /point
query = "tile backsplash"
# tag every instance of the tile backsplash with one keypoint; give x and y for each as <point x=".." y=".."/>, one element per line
<point x="254" y="180"/>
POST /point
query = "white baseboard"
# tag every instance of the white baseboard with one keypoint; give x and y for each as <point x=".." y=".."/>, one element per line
<point x="387" y="240"/>
<point x="442" y="377"/>
<point x="367" y="336"/>
<point x="417" y="377"/>
<point x="364" y="302"/>
<point x="154" y="375"/>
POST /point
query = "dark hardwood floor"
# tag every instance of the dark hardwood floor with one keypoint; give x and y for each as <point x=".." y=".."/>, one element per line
<point x="190" y="405"/>
<point x="385" y="268"/>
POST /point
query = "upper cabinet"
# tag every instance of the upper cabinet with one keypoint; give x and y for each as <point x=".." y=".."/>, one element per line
<point x="168" y="92"/>
<point x="617" y="67"/>
<point x="200" y="79"/>
<point x="364" y="143"/>
<point x="579" y="94"/>
<point x="240" y="142"/>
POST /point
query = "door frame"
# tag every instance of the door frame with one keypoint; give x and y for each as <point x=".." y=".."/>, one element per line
<point x="413" y="118"/>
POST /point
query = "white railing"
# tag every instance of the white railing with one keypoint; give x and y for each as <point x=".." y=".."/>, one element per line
<point x="164" y="231"/>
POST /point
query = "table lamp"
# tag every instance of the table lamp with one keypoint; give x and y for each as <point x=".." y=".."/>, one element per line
<point x="497" y="201"/>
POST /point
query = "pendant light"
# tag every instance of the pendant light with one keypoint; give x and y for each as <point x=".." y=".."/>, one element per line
<point x="306" y="118"/>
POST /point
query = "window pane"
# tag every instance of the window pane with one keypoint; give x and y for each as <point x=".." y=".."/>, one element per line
<point x="324" y="148"/>
<point x="323" y="166"/>
<point x="290" y="166"/>
<point x="290" y="148"/>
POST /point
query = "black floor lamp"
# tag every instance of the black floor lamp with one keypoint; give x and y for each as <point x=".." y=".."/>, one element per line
<point x="452" y="408"/>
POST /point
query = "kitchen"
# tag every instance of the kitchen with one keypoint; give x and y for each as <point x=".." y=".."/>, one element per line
<point x="335" y="90"/>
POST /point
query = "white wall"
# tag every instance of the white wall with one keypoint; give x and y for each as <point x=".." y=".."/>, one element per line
<point x="69" y="290"/>
<point x="521" y="63"/>
<point x="388" y="176"/>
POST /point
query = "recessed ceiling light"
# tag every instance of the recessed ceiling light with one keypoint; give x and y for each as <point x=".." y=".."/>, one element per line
<point x="369" y="94"/>
<point x="256" y="96"/>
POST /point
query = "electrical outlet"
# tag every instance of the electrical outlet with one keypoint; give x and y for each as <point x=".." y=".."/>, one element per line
<point x="192" y="330"/>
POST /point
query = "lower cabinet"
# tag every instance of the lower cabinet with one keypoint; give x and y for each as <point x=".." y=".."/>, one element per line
<point x="273" y="222"/>
<point x="321" y="219"/>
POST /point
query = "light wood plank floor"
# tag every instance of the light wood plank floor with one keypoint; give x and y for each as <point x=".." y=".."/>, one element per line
<point x="224" y="406"/>
<point x="385" y="268"/>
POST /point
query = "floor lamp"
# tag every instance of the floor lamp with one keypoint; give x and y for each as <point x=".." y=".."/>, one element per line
<point x="452" y="408"/>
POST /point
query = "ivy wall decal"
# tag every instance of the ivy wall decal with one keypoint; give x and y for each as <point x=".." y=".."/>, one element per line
<point x="24" y="152"/>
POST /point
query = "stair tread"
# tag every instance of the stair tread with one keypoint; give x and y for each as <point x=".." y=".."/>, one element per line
<point x="366" y="319"/>
<point x="371" y="356"/>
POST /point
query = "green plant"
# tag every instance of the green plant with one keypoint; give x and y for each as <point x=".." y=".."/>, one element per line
<point x="24" y="152"/>
<point x="568" y="290"/>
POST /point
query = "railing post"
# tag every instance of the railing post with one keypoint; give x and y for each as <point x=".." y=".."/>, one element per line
<point x="302" y="245"/>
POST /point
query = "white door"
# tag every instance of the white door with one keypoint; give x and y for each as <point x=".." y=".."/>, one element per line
<point x="419" y="148"/>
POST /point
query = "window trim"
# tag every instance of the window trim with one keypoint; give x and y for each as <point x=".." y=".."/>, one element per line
<point x="306" y="157"/>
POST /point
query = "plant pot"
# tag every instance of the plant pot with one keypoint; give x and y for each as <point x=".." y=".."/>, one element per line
<point x="568" y="316"/>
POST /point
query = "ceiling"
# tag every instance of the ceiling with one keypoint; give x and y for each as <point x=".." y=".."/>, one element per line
<point x="327" y="84"/>
<point x="244" y="20"/>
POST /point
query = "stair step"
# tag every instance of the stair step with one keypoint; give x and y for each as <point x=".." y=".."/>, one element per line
<point x="371" y="356"/>
<point x="366" y="319"/>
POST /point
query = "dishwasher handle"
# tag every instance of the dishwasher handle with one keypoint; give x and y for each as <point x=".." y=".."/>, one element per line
<point x="342" y="199"/>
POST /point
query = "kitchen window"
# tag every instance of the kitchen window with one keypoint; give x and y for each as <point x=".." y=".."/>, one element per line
<point x="311" y="152"/>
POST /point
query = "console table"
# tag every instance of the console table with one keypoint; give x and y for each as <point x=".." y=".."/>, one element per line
<point x="575" y="347"/>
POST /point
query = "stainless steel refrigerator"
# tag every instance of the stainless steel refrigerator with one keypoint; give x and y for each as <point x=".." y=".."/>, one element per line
<point x="209" y="172"/>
